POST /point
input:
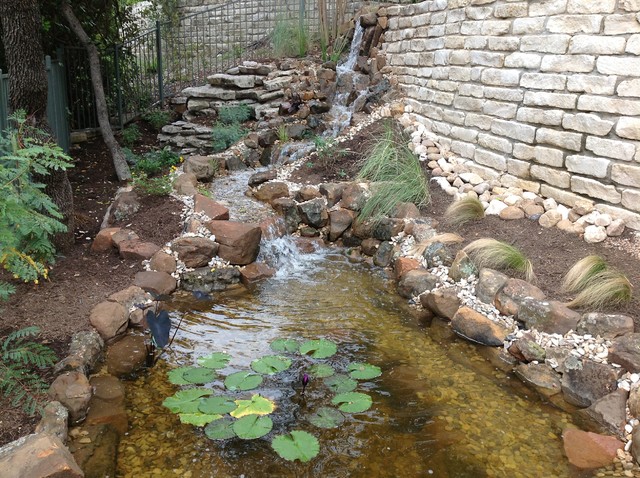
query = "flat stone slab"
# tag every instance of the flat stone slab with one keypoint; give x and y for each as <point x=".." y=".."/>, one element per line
<point x="38" y="456"/>
<point x="239" y="242"/>
<point x="159" y="283"/>
<point x="208" y="91"/>
<point x="589" y="450"/>
<point x="239" y="81"/>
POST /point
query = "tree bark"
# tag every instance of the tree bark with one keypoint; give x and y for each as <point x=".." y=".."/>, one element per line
<point x="119" y="160"/>
<point x="21" y="26"/>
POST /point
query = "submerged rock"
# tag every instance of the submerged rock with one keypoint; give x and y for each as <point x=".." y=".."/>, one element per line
<point x="607" y="414"/>
<point x="478" y="328"/>
<point x="587" y="450"/>
<point x="205" y="279"/>
<point x="540" y="377"/>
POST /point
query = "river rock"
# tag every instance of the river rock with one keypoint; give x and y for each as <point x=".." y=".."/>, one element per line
<point x="314" y="213"/>
<point x="84" y="352"/>
<point x="38" y="455"/>
<point x="406" y="210"/>
<point x="109" y="318"/>
<point x="616" y="228"/>
<point x="443" y="302"/>
<point x="587" y="450"/>
<point x="489" y="283"/>
<point x="584" y="381"/>
<point x="262" y="177"/>
<point x="384" y="254"/>
<point x="625" y="351"/>
<point x="548" y="316"/>
<point x="54" y="421"/>
<point x="370" y="246"/>
<point x="540" y="377"/>
<point x="607" y="414"/>
<point x="307" y="193"/>
<point x="125" y="205"/>
<point x="332" y="192"/>
<point x="288" y="209"/>
<point x="163" y="262"/>
<point x="415" y="282"/>
<point x="511" y="213"/>
<point x="386" y="228"/>
<point x="478" y="328"/>
<point x="195" y="251"/>
<point x="239" y="242"/>
<point x="462" y="267"/>
<point x="72" y="390"/>
<point x="213" y="209"/>
<point x="159" y="283"/>
<point x="526" y="349"/>
<point x="137" y="250"/>
<point x="495" y="207"/>
<point x="438" y="253"/>
<point x="607" y="326"/>
<point x="107" y="406"/>
<point x="513" y="293"/>
<point x="363" y="229"/>
<point x="339" y="221"/>
<point x="206" y="280"/>
<point x="185" y="184"/>
<point x="203" y="167"/>
<point x="255" y="272"/>
<point x="126" y="356"/>
<point x="271" y="190"/>
<point x="550" y="218"/>
<point x="594" y="234"/>
<point x="354" y="196"/>
<point x="103" y="241"/>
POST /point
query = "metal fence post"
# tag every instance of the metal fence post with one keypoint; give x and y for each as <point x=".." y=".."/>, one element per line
<point x="116" y="64"/>
<point x="160" y="72"/>
<point x="302" y="9"/>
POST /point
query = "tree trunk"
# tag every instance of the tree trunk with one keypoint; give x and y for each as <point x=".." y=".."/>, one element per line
<point x="119" y="160"/>
<point x="21" y="26"/>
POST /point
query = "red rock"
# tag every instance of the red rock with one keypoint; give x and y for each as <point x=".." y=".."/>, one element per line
<point x="267" y="192"/>
<point x="73" y="390"/>
<point x="239" y="242"/>
<point x="404" y="265"/>
<point x="589" y="450"/>
<point x="307" y="193"/>
<point x="443" y="302"/>
<point x="137" y="250"/>
<point x="309" y="245"/>
<point x="104" y="240"/>
<point x="109" y="318"/>
<point x="476" y="327"/>
<point x="273" y="227"/>
<point x="339" y="221"/>
<point x="156" y="282"/>
<point x="255" y="272"/>
<point x="163" y="262"/>
<point x="214" y="210"/>
<point x="38" y="456"/>
<point x="195" y="251"/>
<point x="123" y="235"/>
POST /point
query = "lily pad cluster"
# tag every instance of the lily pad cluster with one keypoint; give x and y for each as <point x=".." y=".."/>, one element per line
<point x="229" y="415"/>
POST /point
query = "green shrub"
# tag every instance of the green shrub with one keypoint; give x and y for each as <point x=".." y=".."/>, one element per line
<point x="157" y="118"/>
<point x="283" y="134"/>
<point x="19" y="383"/>
<point x="28" y="217"/>
<point x="130" y="135"/>
<point x="225" y="135"/>
<point x="234" y="114"/>
<point x="155" y="161"/>
<point x="160" y="186"/>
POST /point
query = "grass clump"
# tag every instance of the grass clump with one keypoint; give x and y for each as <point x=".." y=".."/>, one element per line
<point x="157" y="118"/>
<point x="397" y="171"/>
<point x="225" y="135"/>
<point x="499" y="255"/>
<point x="131" y="134"/>
<point x="597" y="284"/>
<point x="234" y="114"/>
<point x="153" y="162"/>
<point x="283" y="134"/>
<point x="290" y="38"/>
<point x="464" y="210"/>
<point x="158" y="186"/>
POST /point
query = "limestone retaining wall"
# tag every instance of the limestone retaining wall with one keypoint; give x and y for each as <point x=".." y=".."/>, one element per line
<point x="543" y="94"/>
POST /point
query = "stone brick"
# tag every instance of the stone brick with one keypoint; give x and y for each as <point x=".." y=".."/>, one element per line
<point x="633" y="45"/>
<point x="484" y="171"/>
<point x="478" y="121"/>
<point x="545" y="43"/>
<point x="452" y="116"/>
<point x="596" y="85"/>
<point x="492" y="76"/>
<point x="504" y="43"/>
<point x="626" y="174"/>
<point x="475" y="43"/>
<point x="495" y="143"/>
<point x="597" y="6"/>
<point x="523" y="151"/>
<point x="555" y="177"/>
<point x="540" y="116"/>
<point x="572" y="63"/>
<point x="611" y="148"/>
<point x="495" y="27"/>
<point x="495" y="93"/>
<point x="542" y="81"/>
<point x="514" y="182"/>
<point x="629" y="88"/>
<point x="561" y="139"/>
<point x="555" y="100"/>
<point x="518" y="168"/>
<point x="628" y="128"/>
<point x="527" y="26"/>
<point x="478" y="13"/>
<point x="511" y="10"/>
<point x="458" y="73"/>
<point x="574" y="24"/>
<point x="597" y="45"/>
<point x="487" y="158"/>
<point x="471" y="28"/>
<point x="612" y="65"/>
<point x="595" y="189"/>
<point x="523" y="60"/>
<point x="620" y="24"/>
<point x="631" y="199"/>
<point x="630" y="5"/>
<point x="587" y="123"/>
<point x="547" y="7"/>
<point x="562" y="196"/>
<point x="514" y="130"/>
<point x="588" y="165"/>
<point x="466" y="103"/>
<point x="485" y="58"/>
<point x="459" y="57"/>
<point x="466" y="150"/>
<point x="548" y="156"/>
<point x="609" y="105"/>
<point x="631" y="219"/>
<point x="500" y="109"/>
<point x="464" y="134"/>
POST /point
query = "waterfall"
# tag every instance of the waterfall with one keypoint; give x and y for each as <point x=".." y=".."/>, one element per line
<point x="356" y="43"/>
<point x="284" y="255"/>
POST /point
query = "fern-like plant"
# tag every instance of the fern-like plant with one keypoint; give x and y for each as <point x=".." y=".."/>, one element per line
<point x="19" y="382"/>
<point x="464" y="210"/>
<point x="499" y="255"/>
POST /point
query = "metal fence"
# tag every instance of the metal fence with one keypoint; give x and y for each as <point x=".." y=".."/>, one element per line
<point x="56" y="101"/>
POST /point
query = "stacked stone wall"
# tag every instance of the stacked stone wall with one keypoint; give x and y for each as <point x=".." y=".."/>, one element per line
<point x="544" y="94"/>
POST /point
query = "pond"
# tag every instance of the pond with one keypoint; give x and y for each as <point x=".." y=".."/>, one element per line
<point x="439" y="408"/>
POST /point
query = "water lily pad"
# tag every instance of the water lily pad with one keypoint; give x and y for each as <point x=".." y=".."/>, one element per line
<point x="271" y="364"/>
<point x="321" y="370"/>
<point x="285" y="345"/>
<point x="340" y="383"/>
<point x="216" y="405"/>
<point x="258" y="405"/>
<point x="186" y="401"/>
<point x="252" y="427"/>
<point x="297" y="445"/>
<point x="319" y="349"/>
<point x="199" y="375"/>
<point x="175" y="376"/>
<point x="221" y="429"/>
<point x="242" y="381"/>
<point x="352" y="402"/>
<point x="363" y="371"/>
<point x="215" y="360"/>
<point x="327" y="417"/>
<point x="198" y="419"/>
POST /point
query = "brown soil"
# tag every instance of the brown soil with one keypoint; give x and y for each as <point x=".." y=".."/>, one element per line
<point x="80" y="279"/>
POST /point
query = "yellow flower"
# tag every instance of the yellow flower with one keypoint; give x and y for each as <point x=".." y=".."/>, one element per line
<point x="35" y="282"/>
<point x="181" y="159"/>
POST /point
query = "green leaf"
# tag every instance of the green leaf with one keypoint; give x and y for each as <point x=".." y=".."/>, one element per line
<point x="321" y="370"/>
<point x="363" y="371"/>
<point x="327" y="417"/>
<point x="242" y="381"/>
<point x="215" y="360"/>
<point x="285" y="345"/>
<point x="352" y="402"/>
<point x="252" y="427"/>
<point x="198" y="375"/>
<point x="258" y="405"/>
<point x="297" y="445"/>
<point x="176" y="376"/>
<point x="186" y="401"/>
<point x="198" y="419"/>
<point x="217" y="405"/>
<point x="340" y="383"/>
<point x="271" y="364"/>
<point x="220" y="429"/>
<point x="319" y="349"/>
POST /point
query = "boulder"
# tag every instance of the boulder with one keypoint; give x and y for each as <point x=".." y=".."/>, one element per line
<point x="314" y="213"/>
<point x="362" y="229"/>
<point x="194" y="251"/>
<point x="513" y="293"/>
<point x="526" y="349"/>
<point x="370" y="246"/>
<point x="213" y="209"/>
<point x="625" y="351"/>
<point x="54" y="421"/>
<point x="307" y="193"/>
<point x="476" y="327"/>
<point x="239" y="242"/>
<point x="587" y="450"/>
<point x="125" y="206"/>
<point x="72" y="389"/>
<point x="383" y="255"/>
<point x="159" y="283"/>
<point x="206" y="280"/>
<point x="386" y="228"/>
<point x="163" y="262"/>
<point x="271" y="190"/>
<point x="107" y="406"/>
<point x="332" y="192"/>
<point x="607" y="326"/>
<point x="339" y="221"/>
<point x="203" y="167"/>
<point x="489" y="283"/>
<point x="511" y="213"/>
<point x="38" y="456"/>
<point x="402" y="265"/>
<point x="84" y="352"/>
<point x="124" y="235"/>
<point x="406" y="210"/>
<point x="462" y="267"/>
<point x="354" y="196"/>
<point x="540" y="377"/>
<point x="137" y="250"/>
<point x="548" y="316"/>
<point x="550" y="218"/>
<point x="126" y="356"/>
<point x="438" y="253"/>
<point x="607" y="414"/>
<point x="584" y="381"/>
<point x="256" y="272"/>
<point x="109" y="318"/>
<point x="262" y="177"/>
<point x="415" y="282"/>
<point x="185" y="184"/>
<point x="443" y="302"/>
<point x="103" y="241"/>
<point x="288" y="209"/>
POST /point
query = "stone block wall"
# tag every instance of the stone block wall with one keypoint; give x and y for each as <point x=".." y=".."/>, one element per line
<point x="543" y="94"/>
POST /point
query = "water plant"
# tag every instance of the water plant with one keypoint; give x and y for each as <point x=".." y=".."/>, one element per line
<point x="597" y="284"/>
<point x="232" y="414"/>
<point x="464" y="210"/>
<point x="499" y="255"/>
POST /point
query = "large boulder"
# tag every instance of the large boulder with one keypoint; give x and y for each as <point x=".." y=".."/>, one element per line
<point x="354" y="197"/>
<point x="213" y="209"/>
<point x="126" y="356"/>
<point x="103" y="241"/>
<point x="38" y="456"/>
<point x="607" y="326"/>
<point x="415" y="282"/>
<point x="110" y="319"/>
<point x="587" y="450"/>
<point x="185" y="184"/>
<point x="386" y="228"/>
<point x="443" y="302"/>
<point x="163" y="262"/>
<point x="625" y="351"/>
<point x="205" y="279"/>
<point x="195" y="251"/>
<point x="513" y="293"/>
<point x="203" y="167"/>
<point x="548" y="316"/>
<point x="269" y="191"/>
<point x="239" y="242"/>
<point x="159" y="283"/>
<point x="72" y="389"/>
<point x="125" y="205"/>
<point x="476" y="327"/>
<point x="339" y="221"/>
<point x="585" y="381"/>
<point x="314" y="213"/>
<point x="332" y="192"/>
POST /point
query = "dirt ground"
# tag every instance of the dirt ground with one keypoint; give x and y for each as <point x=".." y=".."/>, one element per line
<point x="80" y="279"/>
